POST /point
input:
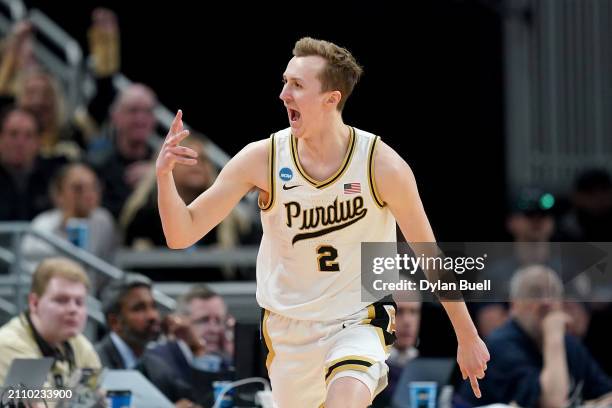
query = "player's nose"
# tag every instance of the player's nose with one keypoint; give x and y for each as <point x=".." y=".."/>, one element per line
<point x="285" y="95"/>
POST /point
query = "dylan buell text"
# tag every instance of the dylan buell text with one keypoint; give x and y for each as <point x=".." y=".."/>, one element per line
<point x="425" y="285"/>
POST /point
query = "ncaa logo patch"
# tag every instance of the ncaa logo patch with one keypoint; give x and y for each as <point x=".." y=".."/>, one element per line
<point x="285" y="174"/>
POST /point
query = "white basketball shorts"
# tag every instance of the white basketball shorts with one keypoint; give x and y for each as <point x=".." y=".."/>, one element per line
<point x="305" y="357"/>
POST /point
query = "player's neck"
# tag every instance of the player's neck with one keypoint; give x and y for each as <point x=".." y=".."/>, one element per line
<point x="325" y="142"/>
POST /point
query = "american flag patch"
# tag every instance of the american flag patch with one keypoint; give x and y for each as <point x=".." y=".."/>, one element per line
<point x="352" y="188"/>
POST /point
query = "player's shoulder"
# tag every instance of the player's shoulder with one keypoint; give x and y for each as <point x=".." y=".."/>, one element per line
<point x="381" y="156"/>
<point x="256" y="154"/>
<point x="387" y="161"/>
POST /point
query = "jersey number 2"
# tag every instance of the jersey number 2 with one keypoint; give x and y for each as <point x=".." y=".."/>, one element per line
<point x="327" y="259"/>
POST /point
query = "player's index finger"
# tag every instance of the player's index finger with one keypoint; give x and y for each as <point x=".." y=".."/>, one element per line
<point x="475" y="386"/>
<point x="177" y="122"/>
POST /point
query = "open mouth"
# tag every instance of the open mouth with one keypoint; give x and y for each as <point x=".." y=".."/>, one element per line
<point x="294" y="115"/>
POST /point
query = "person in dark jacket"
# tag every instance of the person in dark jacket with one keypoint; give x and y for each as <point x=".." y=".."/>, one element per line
<point x="24" y="175"/>
<point x="134" y="323"/>
<point x="536" y="363"/>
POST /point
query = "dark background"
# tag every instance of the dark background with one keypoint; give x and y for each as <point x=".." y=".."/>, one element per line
<point x="433" y="89"/>
<point x="433" y="83"/>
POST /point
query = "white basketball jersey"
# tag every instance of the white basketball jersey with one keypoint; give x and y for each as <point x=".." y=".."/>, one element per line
<point x="309" y="261"/>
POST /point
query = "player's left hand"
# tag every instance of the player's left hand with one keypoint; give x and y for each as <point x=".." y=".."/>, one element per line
<point x="472" y="356"/>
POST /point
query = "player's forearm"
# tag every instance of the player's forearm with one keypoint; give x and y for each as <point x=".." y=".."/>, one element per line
<point x="554" y="378"/>
<point x="175" y="216"/>
<point x="460" y="319"/>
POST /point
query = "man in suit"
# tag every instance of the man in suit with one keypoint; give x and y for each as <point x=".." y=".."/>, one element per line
<point x="134" y="323"/>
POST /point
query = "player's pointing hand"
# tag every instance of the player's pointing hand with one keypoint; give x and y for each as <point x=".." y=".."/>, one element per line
<point x="171" y="152"/>
<point x="472" y="356"/>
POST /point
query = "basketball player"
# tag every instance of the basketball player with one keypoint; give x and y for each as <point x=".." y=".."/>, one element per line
<point x="324" y="187"/>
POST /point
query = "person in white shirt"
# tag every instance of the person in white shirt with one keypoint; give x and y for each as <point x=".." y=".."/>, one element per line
<point x="76" y="195"/>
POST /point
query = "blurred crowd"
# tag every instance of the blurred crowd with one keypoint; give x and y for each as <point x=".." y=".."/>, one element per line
<point x="92" y="166"/>
<point x="181" y="353"/>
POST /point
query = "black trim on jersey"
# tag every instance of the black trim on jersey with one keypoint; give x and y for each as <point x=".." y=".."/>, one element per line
<point x="381" y="318"/>
<point x="324" y="231"/>
<point x="271" y="167"/>
<point x="345" y="362"/>
<point x="339" y="173"/>
<point x="371" y="180"/>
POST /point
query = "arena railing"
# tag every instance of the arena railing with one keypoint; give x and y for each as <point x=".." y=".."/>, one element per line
<point x="10" y="11"/>
<point x="17" y="281"/>
<point x="239" y="295"/>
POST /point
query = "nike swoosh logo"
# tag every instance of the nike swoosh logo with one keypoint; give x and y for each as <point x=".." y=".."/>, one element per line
<point x="286" y="187"/>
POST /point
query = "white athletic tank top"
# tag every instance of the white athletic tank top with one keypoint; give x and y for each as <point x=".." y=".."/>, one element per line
<point x="309" y="261"/>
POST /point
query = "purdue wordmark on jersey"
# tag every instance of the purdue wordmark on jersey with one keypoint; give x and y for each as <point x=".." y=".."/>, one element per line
<point x="334" y="217"/>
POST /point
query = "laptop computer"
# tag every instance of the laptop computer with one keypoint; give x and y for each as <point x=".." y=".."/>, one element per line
<point x="28" y="373"/>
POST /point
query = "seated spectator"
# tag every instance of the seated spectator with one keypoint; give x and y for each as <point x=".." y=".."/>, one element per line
<point x="52" y="324"/>
<point x="407" y="322"/>
<point x="134" y="323"/>
<point x="206" y="315"/>
<point x="201" y="313"/>
<point x="123" y="162"/>
<point x="140" y="216"/>
<point x="535" y="363"/>
<point x="39" y="92"/>
<point x="24" y="175"/>
<point x="76" y="194"/>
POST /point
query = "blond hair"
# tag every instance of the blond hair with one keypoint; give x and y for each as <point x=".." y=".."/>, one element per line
<point x="57" y="267"/>
<point x="341" y="73"/>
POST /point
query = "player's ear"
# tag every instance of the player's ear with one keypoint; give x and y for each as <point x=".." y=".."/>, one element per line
<point x="334" y="98"/>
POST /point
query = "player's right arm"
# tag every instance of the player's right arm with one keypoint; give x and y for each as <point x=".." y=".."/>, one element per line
<point x="398" y="190"/>
<point x="184" y="225"/>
